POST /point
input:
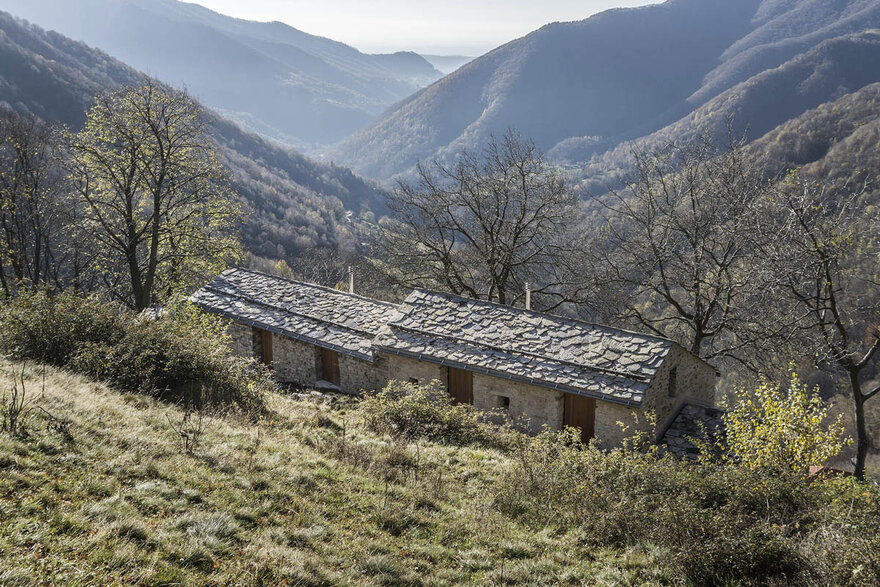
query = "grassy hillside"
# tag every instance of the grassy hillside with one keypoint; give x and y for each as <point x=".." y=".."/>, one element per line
<point x="305" y="496"/>
<point x="101" y="489"/>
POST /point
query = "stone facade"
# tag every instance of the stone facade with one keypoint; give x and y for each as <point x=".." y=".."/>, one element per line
<point x="357" y="375"/>
<point x="608" y="432"/>
<point x="294" y="361"/>
<point x="299" y="363"/>
<point x="242" y="337"/>
<point x="404" y="369"/>
<point x="531" y="407"/>
<point x="693" y="383"/>
<point x="535" y="407"/>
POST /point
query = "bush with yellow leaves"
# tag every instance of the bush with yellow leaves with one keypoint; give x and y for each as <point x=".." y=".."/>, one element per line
<point x="782" y="429"/>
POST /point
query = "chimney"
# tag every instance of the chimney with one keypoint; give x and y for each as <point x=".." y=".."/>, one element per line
<point x="528" y="296"/>
<point x="350" y="279"/>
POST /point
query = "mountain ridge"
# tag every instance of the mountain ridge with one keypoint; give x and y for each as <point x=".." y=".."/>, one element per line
<point x="297" y="203"/>
<point x="311" y="90"/>
<point x="593" y="85"/>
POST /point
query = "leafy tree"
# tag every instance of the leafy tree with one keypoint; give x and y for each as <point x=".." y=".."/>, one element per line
<point x="822" y="261"/>
<point x="33" y="201"/>
<point x="485" y="225"/>
<point x="672" y="251"/>
<point x="157" y="202"/>
<point x="776" y="428"/>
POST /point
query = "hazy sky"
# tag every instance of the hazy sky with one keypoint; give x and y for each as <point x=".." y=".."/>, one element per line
<point x="469" y="27"/>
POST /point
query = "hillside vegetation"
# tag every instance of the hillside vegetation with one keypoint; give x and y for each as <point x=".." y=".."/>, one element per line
<point x="582" y="89"/>
<point x="296" y="203"/>
<point x="108" y="493"/>
<point x="281" y="501"/>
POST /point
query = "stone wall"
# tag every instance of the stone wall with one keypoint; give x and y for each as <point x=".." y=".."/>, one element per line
<point x="357" y="375"/>
<point x="406" y="369"/>
<point x="694" y="383"/>
<point x="294" y="361"/>
<point x="242" y="340"/>
<point x="608" y="432"/>
<point x="531" y="407"/>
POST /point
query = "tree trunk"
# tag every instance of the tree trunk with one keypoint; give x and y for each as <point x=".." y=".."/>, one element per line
<point x="862" y="440"/>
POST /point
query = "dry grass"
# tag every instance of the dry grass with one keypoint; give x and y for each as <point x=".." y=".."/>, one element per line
<point x="305" y="497"/>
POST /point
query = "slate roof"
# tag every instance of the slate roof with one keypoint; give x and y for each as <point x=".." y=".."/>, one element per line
<point x="517" y="344"/>
<point x="310" y="313"/>
<point x="692" y="422"/>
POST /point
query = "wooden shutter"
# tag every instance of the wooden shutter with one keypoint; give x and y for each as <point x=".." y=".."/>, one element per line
<point x="461" y="385"/>
<point x="580" y="412"/>
<point x="267" y="351"/>
<point x="330" y="366"/>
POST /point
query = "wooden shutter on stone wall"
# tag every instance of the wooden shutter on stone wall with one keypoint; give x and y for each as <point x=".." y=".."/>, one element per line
<point x="267" y="349"/>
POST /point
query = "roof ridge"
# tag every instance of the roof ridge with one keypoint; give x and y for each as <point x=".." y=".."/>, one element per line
<point x="314" y="285"/>
<point x="544" y="315"/>
<point x="592" y="367"/>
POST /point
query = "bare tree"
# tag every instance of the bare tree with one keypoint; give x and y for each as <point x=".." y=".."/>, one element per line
<point x="485" y="225"/>
<point x="156" y="200"/>
<point x="33" y="236"/>
<point x="823" y="258"/>
<point x="672" y="251"/>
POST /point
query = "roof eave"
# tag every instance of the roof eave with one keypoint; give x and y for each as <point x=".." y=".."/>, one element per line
<point x="370" y="357"/>
<point x="492" y="373"/>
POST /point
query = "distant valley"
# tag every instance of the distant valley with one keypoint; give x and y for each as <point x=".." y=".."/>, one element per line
<point x="298" y="89"/>
<point x="296" y="203"/>
<point x="447" y="64"/>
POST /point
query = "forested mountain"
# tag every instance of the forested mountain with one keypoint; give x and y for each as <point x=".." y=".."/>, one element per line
<point x="296" y="203"/>
<point x="833" y="69"/>
<point x="298" y="88"/>
<point x="581" y="89"/>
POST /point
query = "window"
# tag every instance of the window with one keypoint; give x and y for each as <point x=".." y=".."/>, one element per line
<point x="673" y="381"/>
<point x="502" y="401"/>
<point x="413" y="380"/>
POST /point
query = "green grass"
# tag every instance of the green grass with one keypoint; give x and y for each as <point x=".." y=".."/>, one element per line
<point x="304" y="497"/>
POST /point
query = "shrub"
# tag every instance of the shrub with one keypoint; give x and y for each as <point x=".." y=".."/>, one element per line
<point x="721" y="525"/>
<point x="777" y="429"/>
<point x="50" y="329"/>
<point x="182" y="356"/>
<point x="412" y="411"/>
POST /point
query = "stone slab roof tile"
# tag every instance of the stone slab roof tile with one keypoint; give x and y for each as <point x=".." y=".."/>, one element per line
<point x="545" y="350"/>
<point x="319" y="315"/>
<point x="692" y="422"/>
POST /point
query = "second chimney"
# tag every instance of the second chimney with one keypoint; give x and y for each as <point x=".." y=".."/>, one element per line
<point x="528" y="296"/>
<point x="350" y="279"/>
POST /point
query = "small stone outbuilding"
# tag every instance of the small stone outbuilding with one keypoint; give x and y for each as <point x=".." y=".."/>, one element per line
<point x="544" y="371"/>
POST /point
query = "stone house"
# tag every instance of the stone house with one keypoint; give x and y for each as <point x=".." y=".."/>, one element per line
<point x="310" y="335"/>
<point x="543" y="370"/>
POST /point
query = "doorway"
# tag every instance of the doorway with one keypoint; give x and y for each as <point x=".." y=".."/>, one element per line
<point x="330" y="366"/>
<point x="580" y="412"/>
<point x="461" y="385"/>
